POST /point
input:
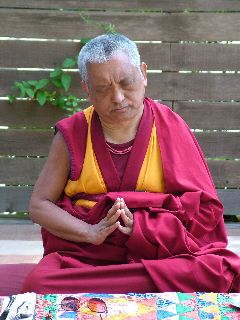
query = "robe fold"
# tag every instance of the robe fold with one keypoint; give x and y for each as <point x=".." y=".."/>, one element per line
<point x="178" y="242"/>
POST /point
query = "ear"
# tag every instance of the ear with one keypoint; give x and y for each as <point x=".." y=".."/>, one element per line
<point x="144" y="72"/>
<point x="85" y="88"/>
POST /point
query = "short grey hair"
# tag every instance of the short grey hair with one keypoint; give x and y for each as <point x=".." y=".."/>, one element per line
<point x="102" y="48"/>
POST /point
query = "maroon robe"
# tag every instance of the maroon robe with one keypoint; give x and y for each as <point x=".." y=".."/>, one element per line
<point x="179" y="239"/>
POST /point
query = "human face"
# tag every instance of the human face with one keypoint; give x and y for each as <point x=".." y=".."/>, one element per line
<point x="116" y="89"/>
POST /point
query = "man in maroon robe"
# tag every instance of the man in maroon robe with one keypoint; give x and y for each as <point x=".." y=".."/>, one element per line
<point x="125" y="199"/>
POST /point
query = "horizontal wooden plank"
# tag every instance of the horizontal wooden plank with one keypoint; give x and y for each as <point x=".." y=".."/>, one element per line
<point x="8" y="77"/>
<point x="37" y="142"/>
<point x="225" y="173"/>
<point x="219" y="144"/>
<point x="194" y="86"/>
<point x="203" y="56"/>
<point x="36" y="54"/>
<point x="50" y="54"/>
<point x="158" y="56"/>
<point x="231" y="201"/>
<point x="165" y="5"/>
<point x="17" y="199"/>
<point x="29" y="114"/>
<point x="25" y="142"/>
<point x="24" y="171"/>
<point x="51" y="24"/>
<point x="209" y="115"/>
<point x="199" y="115"/>
<point x="162" y="86"/>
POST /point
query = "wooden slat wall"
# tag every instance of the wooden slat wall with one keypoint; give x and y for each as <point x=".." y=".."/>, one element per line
<point x="51" y="24"/>
<point x="160" y="5"/>
<point x="192" y="41"/>
<point x="167" y="85"/>
<point x="160" y="56"/>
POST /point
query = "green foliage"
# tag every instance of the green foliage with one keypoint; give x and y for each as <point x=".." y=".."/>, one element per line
<point x="56" y="88"/>
<point x="106" y="27"/>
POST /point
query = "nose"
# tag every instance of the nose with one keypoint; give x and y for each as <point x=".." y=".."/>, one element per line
<point x="117" y="95"/>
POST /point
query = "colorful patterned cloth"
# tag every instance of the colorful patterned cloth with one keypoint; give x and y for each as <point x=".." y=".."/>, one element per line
<point x="170" y="305"/>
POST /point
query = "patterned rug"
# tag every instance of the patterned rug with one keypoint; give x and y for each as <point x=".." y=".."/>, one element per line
<point x="169" y="305"/>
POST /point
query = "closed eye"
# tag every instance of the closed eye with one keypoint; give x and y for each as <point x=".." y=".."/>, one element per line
<point x="127" y="82"/>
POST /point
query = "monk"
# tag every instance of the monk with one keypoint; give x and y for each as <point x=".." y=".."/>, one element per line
<point x="126" y="200"/>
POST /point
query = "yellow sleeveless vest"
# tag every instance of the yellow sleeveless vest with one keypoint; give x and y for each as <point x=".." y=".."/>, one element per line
<point x="150" y="178"/>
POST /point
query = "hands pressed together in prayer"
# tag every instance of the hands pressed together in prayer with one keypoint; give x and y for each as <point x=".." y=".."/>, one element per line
<point x="100" y="231"/>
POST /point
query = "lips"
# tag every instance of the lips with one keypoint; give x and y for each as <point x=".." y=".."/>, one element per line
<point x="121" y="108"/>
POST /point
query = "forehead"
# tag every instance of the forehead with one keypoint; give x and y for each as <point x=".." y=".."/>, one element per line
<point x="119" y="66"/>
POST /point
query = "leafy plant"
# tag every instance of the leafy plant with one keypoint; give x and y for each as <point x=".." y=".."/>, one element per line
<point x="55" y="89"/>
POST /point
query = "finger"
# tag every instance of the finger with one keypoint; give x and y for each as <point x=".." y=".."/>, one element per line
<point x="124" y="230"/>
<point x="126" y="220"/>
<point x="111" y="228"/>
<point x="122" y="203"/>
<point x="124" y="206"/>
<point x="111" y="219"/>
<point x="113" y="209"/>
<point x="128" y="212"/>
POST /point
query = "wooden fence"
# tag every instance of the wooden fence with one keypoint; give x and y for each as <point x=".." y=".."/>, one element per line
<point x="192" y="50"/>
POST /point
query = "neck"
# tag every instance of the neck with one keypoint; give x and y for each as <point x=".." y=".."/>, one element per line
<point x="121" y="132"/>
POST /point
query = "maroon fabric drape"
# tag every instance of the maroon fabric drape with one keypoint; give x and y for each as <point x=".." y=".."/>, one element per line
<point x="178" y="241"/>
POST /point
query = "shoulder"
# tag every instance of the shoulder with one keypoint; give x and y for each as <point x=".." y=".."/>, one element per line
<point x="74" y="122"/>
<point x="163" y="113"/>
<point x="74" y="119"/>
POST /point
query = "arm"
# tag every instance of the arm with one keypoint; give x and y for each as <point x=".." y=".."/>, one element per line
<point x="47" y="191"/>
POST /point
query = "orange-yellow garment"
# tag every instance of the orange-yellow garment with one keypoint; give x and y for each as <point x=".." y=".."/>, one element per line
<point x="91" y="181"/>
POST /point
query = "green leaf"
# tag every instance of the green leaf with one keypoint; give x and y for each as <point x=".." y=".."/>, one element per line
<point x="52" y="96"/>
<point x="85" y="40"/>
<point x="11" y="98"/>
<point x="108" y="27"/>
<point x="56" y="73"/>
<point x="32" y="82"/>
<point x="41" y="97"/>
<point x="41" y="84"/>
<point x="66" y="81"/>
<point x="26" y="84"/>
<point x="59" y="102"/>
<point x="75" y="104"/>
<point x="29" y="92"/>
<point x="69" y="63"/>
<point x="84" y="17"/>
<point x="57" y="83"/>
<point x="53" y="102"/>
<point x="21" y="88"/>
